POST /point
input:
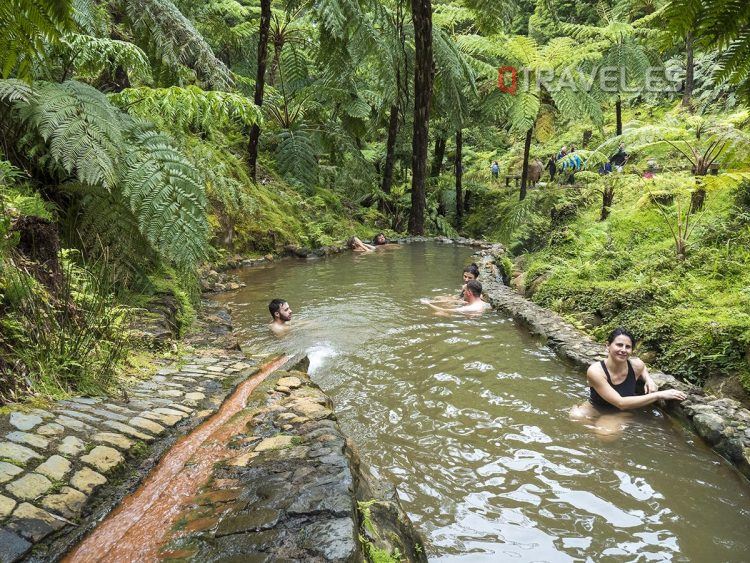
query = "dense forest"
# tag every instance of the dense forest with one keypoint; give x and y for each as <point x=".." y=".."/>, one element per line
<point x="145" y="139"/>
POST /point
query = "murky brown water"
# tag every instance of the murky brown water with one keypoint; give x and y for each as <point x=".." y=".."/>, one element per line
<point x="468" y="417"/>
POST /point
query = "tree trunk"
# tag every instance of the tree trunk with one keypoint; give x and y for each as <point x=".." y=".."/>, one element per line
<point x="437" y="162"/>
<point x="260" y="82"/>
<point x="390" y="157"/>
<point x="618" y="115"/>
<point x="459" y="178"/>
<point x="421" y="13"/>
<point x="608" y="195"/>
<point x="525" y="169"/>
<point x="687" y="94"/>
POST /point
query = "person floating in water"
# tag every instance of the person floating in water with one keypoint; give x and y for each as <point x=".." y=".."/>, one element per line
<point x="281" y="313"/>
<point x="358" y="246"/>
<point x="472" y="291"/>
<point x="612" y="388"/>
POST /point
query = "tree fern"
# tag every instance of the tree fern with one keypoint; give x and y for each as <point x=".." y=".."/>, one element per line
<point x="295" y="157"/>
<point x="89" y="55"/>
<point x="81" y="129"/>
<point x="165" y="194"/>
<point x="174" y="40"/>
<point x="188" y="106"/>
<point x="27" y="26"/>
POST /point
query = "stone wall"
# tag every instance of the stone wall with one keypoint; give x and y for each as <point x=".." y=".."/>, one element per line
<point x="294" y="489"/>
<point x="723" y="423"/>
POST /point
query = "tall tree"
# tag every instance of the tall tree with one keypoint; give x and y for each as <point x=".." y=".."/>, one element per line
<point x="421" y="11"/>
<point x="260" y="82"/>
<point x="459" y="178"/>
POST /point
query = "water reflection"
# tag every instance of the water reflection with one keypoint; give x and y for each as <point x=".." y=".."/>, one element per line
<point x="468" y="417"/>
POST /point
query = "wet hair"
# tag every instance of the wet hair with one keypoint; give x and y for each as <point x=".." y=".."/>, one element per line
<point x="472" y="269"/>
<point x="620" y="331"/>
<point x="375" y="240"/>
<point x="474" y="287"/>
<point x="274" y="306"/>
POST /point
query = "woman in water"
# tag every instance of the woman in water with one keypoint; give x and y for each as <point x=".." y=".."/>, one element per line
<point x="470" y="273"/>
<point x="612" y="386"/>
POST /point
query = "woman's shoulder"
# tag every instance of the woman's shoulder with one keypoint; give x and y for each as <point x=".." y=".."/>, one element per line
<point x="595" y="369"/>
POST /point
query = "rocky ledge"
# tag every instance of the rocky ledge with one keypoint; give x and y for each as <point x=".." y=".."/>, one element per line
<point x="723" y="423"/>
<point x="293" y="489"/>
<point x="63" y="467"/>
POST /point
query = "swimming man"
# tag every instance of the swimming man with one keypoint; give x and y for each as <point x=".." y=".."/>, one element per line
<point x="281" y="313"/>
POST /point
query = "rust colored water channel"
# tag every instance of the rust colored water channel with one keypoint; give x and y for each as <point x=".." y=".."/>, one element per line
<point x="135" y="530"/>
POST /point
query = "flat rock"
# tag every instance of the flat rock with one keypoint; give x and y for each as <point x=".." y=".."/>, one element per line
<point x="28" y="439"/>
<point x="275" y="443"/>
<point x="51" y="429"/>
<point x="24" y="421"/>
<point x="71" y="446"/>
<point x="34" y="523"/>
<point x="56" y="467"/>
<point x="333" y="539"/>
<point x="87" y="480"/>
<point x="29" y="487"/>
<point x="103" y="458"/>
<point x="129" y="430"/>
<point x="79" y="415"/>
<point x="290" y="382"/>
<point x="73" y="424"/>
<point x="194" y="396"/>
<point x="68" y="502"/>
<point x="175" y="410"/>
<point x="165" y="419"/>
<point x="259" y="519"/>
<point x="7" y="505"/>
<point x="17" y="452"/>
<point x="8" y="471"/>
<point x="113" y="439"/>
<point x="148" y="425"/>
<point x="12" y="547"/>
<point x="173" y="393"/>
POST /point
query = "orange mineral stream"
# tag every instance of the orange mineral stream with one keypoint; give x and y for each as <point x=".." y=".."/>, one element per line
<point x="134" y="531"/>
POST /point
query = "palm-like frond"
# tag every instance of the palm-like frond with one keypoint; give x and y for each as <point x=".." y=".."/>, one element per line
<point x="89" y="55"/>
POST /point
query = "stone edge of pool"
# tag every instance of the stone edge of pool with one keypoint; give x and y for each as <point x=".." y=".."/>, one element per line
<point x="723" y="423"/>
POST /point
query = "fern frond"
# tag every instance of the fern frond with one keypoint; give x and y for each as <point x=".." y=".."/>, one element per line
<point x="91" y="55"/>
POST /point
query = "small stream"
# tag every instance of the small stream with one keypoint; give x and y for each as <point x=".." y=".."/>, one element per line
<point x="468" y="417"/>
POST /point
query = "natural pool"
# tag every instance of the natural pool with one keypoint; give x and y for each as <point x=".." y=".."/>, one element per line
<point x="468" y="417"/>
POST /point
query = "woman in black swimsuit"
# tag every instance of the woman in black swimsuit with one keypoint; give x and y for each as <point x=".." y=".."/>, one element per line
<point x="612" y="386"/>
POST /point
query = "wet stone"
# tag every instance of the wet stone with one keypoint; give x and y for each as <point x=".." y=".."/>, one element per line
<point x="17" y="452"/>
<point x="29" y="486"/>
<point x="128" y="430"/>
<point x="68" y="502"/>
<point x="248" y="543"/>
<point x="174" y="410"/>
<point x="103" y="458"/>
<point x="333" y="539"/>
<point x="87" y="400"/>
<point x="87" y="480"/>
<point x="170" y="393"/>
<point x="56" y="467"/>
<point x="7" y="505"/>
<point x="34" y="523"/>
<point x="12" y="547"/>
<point x="71" y="446"/>
<point x="51" y="429"/>
<point x="260" y="519"/>
<point x="113" y="439"/>
<point x="194" y="396"/>
<point x="165" y="419"/>
<point x="23" y="421"/>
<point x="8" y="471"/>
<point x="28" y="439"/>
<point x="148" y="425"/>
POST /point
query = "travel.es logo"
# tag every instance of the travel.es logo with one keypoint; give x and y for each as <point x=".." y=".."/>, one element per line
<point x="610" y="79"/>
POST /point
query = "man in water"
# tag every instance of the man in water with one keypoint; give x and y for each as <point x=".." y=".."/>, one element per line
<point x="281" y="313"/>
<point x="473" y="296"/>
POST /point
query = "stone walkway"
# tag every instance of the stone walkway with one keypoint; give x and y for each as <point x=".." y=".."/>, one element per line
<point x="55" y="463"/>
<point x="723" y="423"/>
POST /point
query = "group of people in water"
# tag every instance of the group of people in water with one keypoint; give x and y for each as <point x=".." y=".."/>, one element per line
<point x="617" y="384"/>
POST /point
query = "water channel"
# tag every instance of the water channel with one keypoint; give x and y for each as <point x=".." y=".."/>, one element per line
<point x="468" y="417"/>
